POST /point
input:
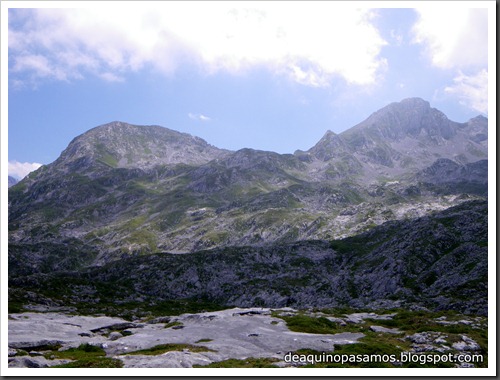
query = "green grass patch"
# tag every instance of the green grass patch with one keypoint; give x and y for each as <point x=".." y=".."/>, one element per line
<point x="135" y="223"/>
<point x="242" y="363"/>
<point x="420" y="321"/>
<point x="162" y="348"/>
<point x="15" y="307"/>
<point x="172" y="324"/>
<point x="100" y="362"/>
<point x="105" y="157"/>
<point x="84" y="356"/>
<point x="181" y="306"/>
<point x="83" y="351"/>
<point x="144" y="238"/>
<point x="204" y="340"/>
<point x="306" y="324"/>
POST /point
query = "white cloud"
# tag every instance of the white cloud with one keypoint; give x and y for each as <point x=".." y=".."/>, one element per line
<point x="454" y="37"/>
<point x="309" y="42"/>
<point x="471" y="90"/>
<point x="20" y="170"/>
<point x="110" y="77"/>
<point x="199" y="117"/>
<point x="457" y="39"/>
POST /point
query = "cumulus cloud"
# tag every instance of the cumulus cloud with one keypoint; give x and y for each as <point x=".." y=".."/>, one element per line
<point x="458" y="40"/>
<point x="200" y="117"/>
<point x="472" y="90"/>
<point x="311" y="43"/>
<point x="20" y="170"/>
<point x="454" y="38"/>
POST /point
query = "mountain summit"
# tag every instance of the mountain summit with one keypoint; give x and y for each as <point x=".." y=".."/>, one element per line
<point x="401" y="137"/>
<point x="411" y="117"/>
<point x="122" y="145"/>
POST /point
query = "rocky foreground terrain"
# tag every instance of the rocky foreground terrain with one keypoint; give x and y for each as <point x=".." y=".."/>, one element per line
<point x="241" y="338"/>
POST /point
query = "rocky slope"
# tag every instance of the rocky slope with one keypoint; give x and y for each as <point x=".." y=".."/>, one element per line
<point x="121" y="190"/>
<point x="438" y="261"/>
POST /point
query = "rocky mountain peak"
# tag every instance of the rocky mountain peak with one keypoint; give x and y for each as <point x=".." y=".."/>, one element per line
<point x="329" y="134"/>
<point x="479" y="119"/>
<point x="412" y="117"/>
<point x="477" y="128"/>
<point x="122" y="145"/>
<point x="403" y="136"/>
<point x="329" y="146"/>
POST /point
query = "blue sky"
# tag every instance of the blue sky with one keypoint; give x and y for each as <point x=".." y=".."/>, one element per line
<point x="264" y="75"/>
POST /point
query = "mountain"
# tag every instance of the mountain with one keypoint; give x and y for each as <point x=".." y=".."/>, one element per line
<point x="12" y="181"/>
<point x="122" y="190"/>
<point x="400" y="138"/>
<point x="122" y="145"/>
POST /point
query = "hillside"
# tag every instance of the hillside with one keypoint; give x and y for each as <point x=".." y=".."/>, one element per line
<point x="438" y="261"/>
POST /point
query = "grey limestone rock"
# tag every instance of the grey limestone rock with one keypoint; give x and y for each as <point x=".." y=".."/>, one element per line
<point x="36" y="344"/>
<point x="34" y="362"/>
<point x="12" y="352"/>
<point x="419" y="338"/>
<point x="114" y="335"/>
<point x="466" y="344"/>
<point x="159" y="320"/>
<point x="386" y="330"/>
